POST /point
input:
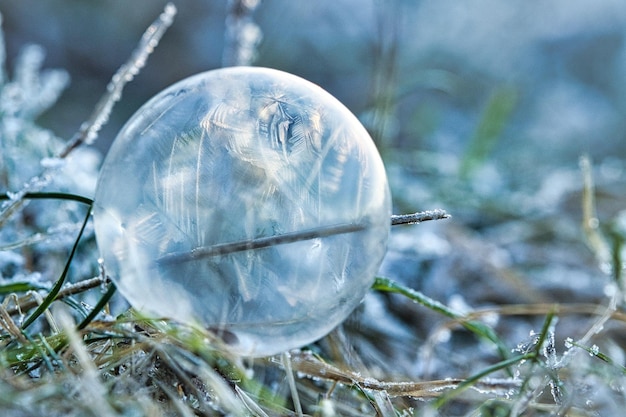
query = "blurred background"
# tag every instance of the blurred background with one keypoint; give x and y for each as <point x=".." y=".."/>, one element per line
<point x="429" y="67"/>
<point x="483" y="108"/>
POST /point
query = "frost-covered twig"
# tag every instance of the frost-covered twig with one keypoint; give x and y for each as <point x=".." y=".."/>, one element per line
<point x="90" y="128"/>
<point x="258" y="243"/>
<point x="309" y="365"/>
<point x="242" y="34"/>
<point x="150" y="39"/>
<point x="419" y="217"/>
<point x="319" y="232"/>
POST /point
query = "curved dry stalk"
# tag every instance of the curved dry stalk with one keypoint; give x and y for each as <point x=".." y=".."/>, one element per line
<point x="9" y="325"/>
<point x="308" y="364"/>
<point x="77" y="288"/>
<point x="545" y="308"/>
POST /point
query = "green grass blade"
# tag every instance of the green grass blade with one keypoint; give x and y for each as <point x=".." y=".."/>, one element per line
<point x="57" y="286"/>
<point x="593" y="351"/>
<point x="15" y="287"/>
<point x="493" y="122"/>
<point x="472" y="380"/>
<point x="52" y="196"/>
<point x="26" y="354"/>
<point x="478" y="328"/>
<point x="98" y="307"/>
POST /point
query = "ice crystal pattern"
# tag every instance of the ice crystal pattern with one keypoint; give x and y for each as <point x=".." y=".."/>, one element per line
<point x="247" y="201"/>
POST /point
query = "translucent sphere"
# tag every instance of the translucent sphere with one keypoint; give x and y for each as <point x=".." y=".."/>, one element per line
<point x="247" y="201"/>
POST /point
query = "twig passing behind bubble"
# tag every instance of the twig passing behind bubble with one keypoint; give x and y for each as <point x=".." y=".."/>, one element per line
<point x="251" y="244"/>
<point x="258" y="243"/>
<point x="320" y="232"/>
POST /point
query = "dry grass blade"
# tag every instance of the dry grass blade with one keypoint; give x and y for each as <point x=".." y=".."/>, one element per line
<point x="311" y="366"/>
<point x="92" y="390"/>
<point x="72" y="289"/>
<point x="591" y="226"/>
<point x="542" y="309"/>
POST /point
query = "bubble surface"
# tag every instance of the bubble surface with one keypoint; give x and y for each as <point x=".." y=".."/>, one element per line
<point x="247" y="201"/>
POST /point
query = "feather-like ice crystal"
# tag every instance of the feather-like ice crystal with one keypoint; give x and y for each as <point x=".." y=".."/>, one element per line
<point x="248" y="201"/>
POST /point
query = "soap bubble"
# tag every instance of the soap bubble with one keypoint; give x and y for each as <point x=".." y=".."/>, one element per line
<point x="247" y="201"/>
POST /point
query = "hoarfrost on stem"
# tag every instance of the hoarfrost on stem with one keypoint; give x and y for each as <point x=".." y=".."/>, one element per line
<point x="242" y="35"/>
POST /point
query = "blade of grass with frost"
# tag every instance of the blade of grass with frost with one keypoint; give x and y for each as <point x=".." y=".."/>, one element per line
<point x="480" y="329"/>
<point x="52" y="351"/>
<point x="249" y="403"/>
<point x="295" y="397"/>
<point x="30" y="286"/>
<point x="419" y="217"/>
<point x="23" y="355"/>
<point x="98" y="307"/>
<point x="380" y="401"/>
<point x="593" y="351"/>
<point x="57" y="286"/>
<point x="52" y="196"/>
<point x="306" y="363"/>
<point x="524" y="394"/>
<point x="473" y="380"/>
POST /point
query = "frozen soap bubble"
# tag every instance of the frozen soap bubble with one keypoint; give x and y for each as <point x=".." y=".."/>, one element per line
<point x="247" y="201"/>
